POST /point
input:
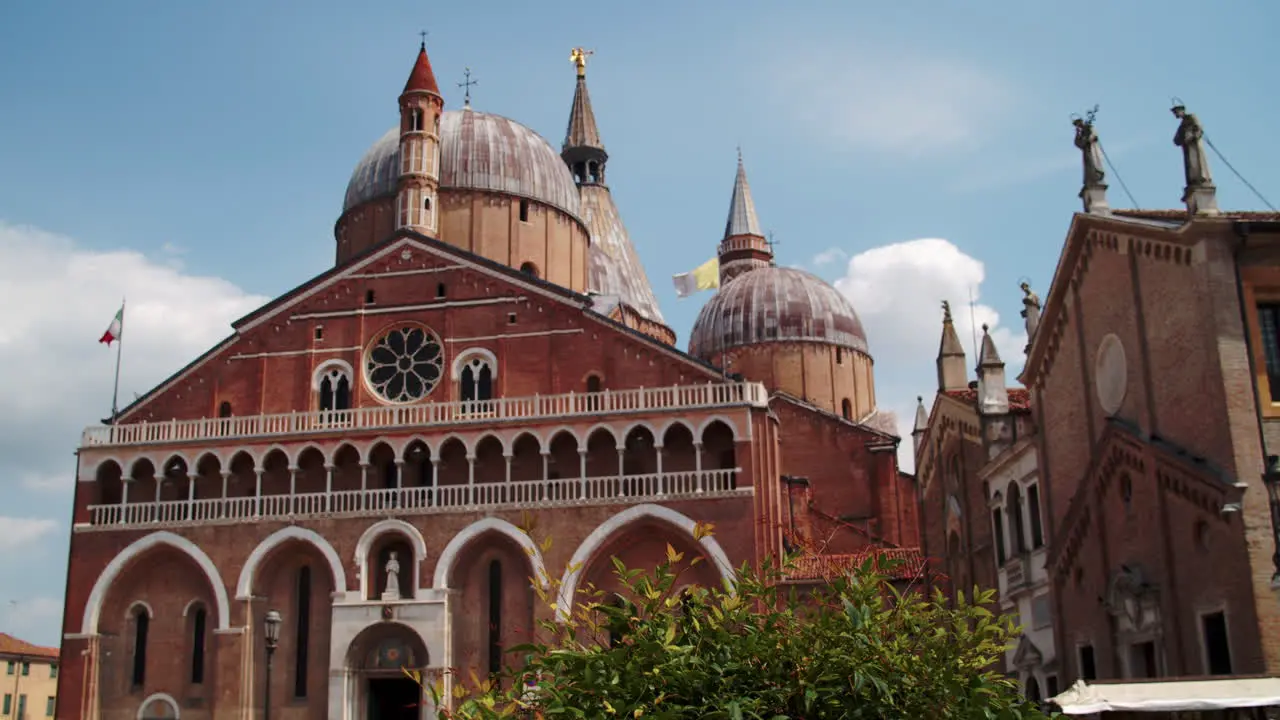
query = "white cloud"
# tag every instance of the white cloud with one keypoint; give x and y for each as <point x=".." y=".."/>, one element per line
<point x="828" y="256"/>
<point x="62" y="298"/>
<point x="898" y="290"/>
<point x="896" y="101"/>
<point x="35" y="620"/>
<point x="17" y="532"/>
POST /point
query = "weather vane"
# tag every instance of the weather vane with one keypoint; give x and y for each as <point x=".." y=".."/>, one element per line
<point x="466" y="86"/>
<point x="423" y="34"/>
<point x="578" y="56"/>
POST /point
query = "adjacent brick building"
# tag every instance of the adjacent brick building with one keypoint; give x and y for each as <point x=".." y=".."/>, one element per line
<point x="28" y="687"/>
<point x="379" y="454"/>
<point x="1151" y="372"/>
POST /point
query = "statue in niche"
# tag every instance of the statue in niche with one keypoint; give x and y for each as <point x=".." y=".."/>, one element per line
<point x="1190" y="137"/>
<point x="392" y="591"/>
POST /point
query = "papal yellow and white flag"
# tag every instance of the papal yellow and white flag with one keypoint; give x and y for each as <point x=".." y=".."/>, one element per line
<point x="704" y="277"/>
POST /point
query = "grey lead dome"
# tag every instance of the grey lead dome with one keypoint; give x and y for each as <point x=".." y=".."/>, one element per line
<point x="478" y="151"/>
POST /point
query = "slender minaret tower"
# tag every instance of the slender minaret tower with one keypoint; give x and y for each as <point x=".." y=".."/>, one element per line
<point x="583" y="150"/>
<point x="419" y="184"/>
<point x="744" y="247"/>
<point x="952" y="373"/>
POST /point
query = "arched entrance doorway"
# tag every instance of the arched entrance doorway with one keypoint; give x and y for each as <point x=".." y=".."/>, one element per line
<point x="377" y="661"/>
<point x="158" y="707"/>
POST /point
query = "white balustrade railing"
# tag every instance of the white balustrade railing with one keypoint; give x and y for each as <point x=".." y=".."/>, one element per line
<point x="678" y="397"/>
<point x="528" y="494"/>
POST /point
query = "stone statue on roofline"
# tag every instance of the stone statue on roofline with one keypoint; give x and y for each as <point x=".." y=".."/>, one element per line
<point x="1200" y="194"/>
<point x="1094" y="188"/>
<point x="1030" y="311"/>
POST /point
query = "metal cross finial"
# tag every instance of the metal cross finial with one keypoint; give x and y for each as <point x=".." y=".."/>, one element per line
<point x="423" y="33"/>
<point x="739" y="154"/>
<point x="466" y="86"/>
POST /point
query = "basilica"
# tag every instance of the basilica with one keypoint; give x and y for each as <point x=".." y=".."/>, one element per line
<point x="381" y="468"/>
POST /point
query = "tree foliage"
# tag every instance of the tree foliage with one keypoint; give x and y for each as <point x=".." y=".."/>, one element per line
<point x="852" y="649"/>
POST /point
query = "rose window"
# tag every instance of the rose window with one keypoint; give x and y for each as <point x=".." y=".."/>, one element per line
<point x="405" y="364"/>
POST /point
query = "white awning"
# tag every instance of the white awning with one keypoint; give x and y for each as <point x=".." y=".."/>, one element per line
<point x="1166" y="696"/>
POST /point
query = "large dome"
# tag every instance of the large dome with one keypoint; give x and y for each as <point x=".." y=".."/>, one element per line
<point x="774" y="304"/>
<point x="478" y="151"/>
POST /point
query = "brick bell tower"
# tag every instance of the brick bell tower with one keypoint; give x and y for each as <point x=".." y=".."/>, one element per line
<point x="417" y="202"/>
<point x="744" y="247"/>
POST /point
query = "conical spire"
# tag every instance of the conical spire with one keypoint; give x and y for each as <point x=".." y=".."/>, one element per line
<point x="422" y="79"/>
<point x="583" y="150"/>
<point x="922" y="416"/>
<point x="988" y="357"/>
<point x="742" y="209"/>
<point x="582" y="131"/>
<point x="952" y="373"/>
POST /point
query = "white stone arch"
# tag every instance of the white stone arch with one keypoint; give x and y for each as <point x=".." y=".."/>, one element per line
<point x="133" y="465"/>
<point x="92" y="472"/>
<point x="426" y="441"/>
<point x="586" y="436"/>
<point x="702" y="428"/>
<point x="326" y="456"/>
<point x="396" y="448"/>
<point x="245" y="450"/>
<point x="328" y="366"/>
<point x="331" y="457"/>
<point x="98" y="595"/>
<point x="162" y="697"/>
<point x="550" y="435"/>
<point x="168" y="458"/>
<point x="192" y="603"/>
<point x="151" y="613"/>
<point x="657" y="436"/>
<point x="462" y="358"/>
<point x="515" y="437"/>
<point x="609" y="528"/>
<point x="480" y="437"/>
<point x="244" y="586"/>
<point x="466" y="445"/>
<point x="693" y="431"/>
<point x="261" y="459"/>
<point x="445" y="563"/>
<point x="222" y="464"/>
<point x="377" y="530"/>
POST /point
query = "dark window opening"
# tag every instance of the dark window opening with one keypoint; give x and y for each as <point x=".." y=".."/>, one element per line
<point x="142" y="623"/>
<point x="1017" y="531"/>
<point x="524" y="211"/>
<point x="224" y="409"/>
<point x="1269" y="327"/>
<point x="1126" y="489"/>
<point x="1088" y="669"/>
<point x="1144" y="660"/>
<point x="1051" y="684"/>
<point x="1033" y="509"/>
<point x="997" y="520"/>
<point x="369" y="297"/>
<point x="440" y="290"/>
<point x="197" y="647"/>
<point x="426" y="204"/>
<point x="335" y="392"/>
<point x="1033" y="690"/>
<point x="618" y="626"/>
<point x="511" y="318"/>
<point x="593" y="383"/>
<point x="839" y="356"/>
<point x="495" y="617"/>
<point x="1217" y="646"/>
<point x="301" y="647"/>
<point x="415" y="120"/>
<point x="319" y="332"/>
<point x="529" y="269"/>
<point x="846" y="409"/>
<point x="477" y="381"/>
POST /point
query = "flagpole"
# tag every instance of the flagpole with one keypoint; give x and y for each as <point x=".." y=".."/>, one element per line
<point x="115" y="392"/>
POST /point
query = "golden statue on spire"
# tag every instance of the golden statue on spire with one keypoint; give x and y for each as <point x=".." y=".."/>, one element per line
<point x="578" y="56"/>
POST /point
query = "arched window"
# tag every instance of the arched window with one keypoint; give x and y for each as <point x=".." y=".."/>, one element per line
<point x="301" y="647"/>
<point x="1033" y="690"/>
<point x="198" y="623"/>
<point x="593" y="383"/>
<point x="1013" y="509"/>
<point x="335" y="389"/>
<point x="524" y="212"/>
<point x="426" y="203"/>
<point x="477" y="380"/>
<point x="224" y="410"/>
<point x="416" y="120"/>
<point x="997" y="528"/>
<point x="839" y="356"/>
<point x="846" y="409"/>
<point x="141" y="624"/>
<point x="495" y="617"/>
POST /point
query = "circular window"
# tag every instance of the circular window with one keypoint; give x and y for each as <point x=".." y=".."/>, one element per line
<point x="405" y="364"/>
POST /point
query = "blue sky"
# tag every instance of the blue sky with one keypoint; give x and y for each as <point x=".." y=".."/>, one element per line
<point x="194" y="156"/>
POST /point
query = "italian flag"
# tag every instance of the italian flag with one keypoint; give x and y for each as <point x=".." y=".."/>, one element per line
<point x="116" y="328"/>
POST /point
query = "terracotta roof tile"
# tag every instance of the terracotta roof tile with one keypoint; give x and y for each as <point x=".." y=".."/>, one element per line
<point x="1264" y="215"/>
<point x="1019" y="398"/>
<point x="10" y="645"/>
<point x="422" y="78"/>
<point x="822" y="567"/>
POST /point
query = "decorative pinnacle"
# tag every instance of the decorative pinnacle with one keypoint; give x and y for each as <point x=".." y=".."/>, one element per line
<point x="578" y="56"/>
<point x="423" y="33"/>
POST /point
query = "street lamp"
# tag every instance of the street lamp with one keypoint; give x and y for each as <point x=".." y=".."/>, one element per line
<point x="270" y="633"/>
<point x="1271" y="478"/>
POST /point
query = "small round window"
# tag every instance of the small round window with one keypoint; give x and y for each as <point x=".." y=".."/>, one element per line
<point x="405" y="364"/>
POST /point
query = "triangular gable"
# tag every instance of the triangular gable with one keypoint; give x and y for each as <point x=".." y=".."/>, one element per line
<point x="805" y="405"/>
<point x="1027" y="655"/>
<point x="397" y="242"/>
